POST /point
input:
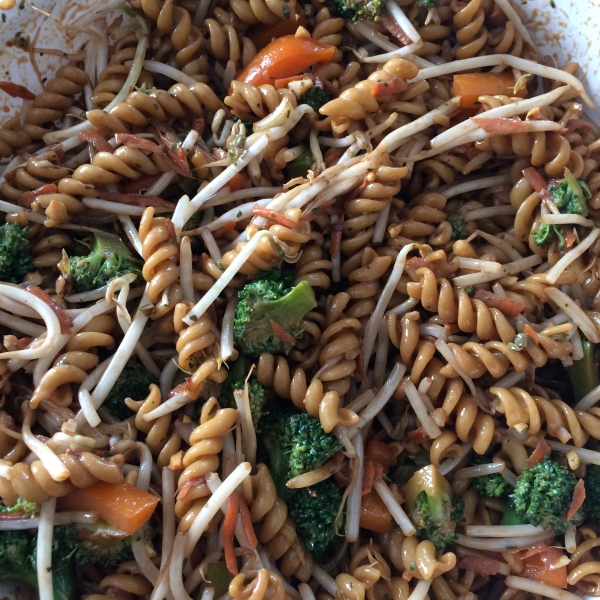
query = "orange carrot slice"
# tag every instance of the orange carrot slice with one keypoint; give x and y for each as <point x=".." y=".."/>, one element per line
<point x="472" y="85"/>
<point x="285" y="57"/>
<point x="123" y="505"/>
<point x="374" y="514"/>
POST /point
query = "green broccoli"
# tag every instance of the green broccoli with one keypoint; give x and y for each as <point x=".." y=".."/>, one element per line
<point x="109" y="258"/>
<point x="15" y="258"/>
<point x="543" y="495"/>
<point x="592" y="493"/>
<point x="18" y="550"/>
<point x="583" y="373"/>
<point x="544" y="235"/>
<point x="407" y="465"/>
<point x="459" y="229"/>
<point x="521" y="341"/>
<point x="301" y="166"/>
<point x="21" y="506"/>
<point x="271" y="297"/>
<point x="315" y="98"/>
<point x="133" y="382"/>
<point x="492" y="485"/>
<point x="432" y="507"/>
<point x="571" y="195"/>
<point x="236" y="381"/>
<point x="249" y="124"/>
<point x="359" y="9"/>
<point x="101" y="544"/>
<point x="314" y="510"/>
<point x="427" y="3"/>
<point x="219" y="577"/>
<point x="296" y="444"/>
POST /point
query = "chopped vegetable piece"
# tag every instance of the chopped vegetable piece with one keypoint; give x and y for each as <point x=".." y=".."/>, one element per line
<point x="374" y="514"/>
<point x="583" y="373"/>
<point x="123" y="505"/>
<point x="300" y="166"/>
<point x="285" y="57"/>
<point x="508" y="307"/>
<point x="539" y="568"/>
<point x="472" y="85"/>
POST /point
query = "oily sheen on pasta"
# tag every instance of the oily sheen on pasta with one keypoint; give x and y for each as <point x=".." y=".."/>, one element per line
<point x="299" y="300"/>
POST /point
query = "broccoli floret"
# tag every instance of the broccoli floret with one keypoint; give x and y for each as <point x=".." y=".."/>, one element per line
<point x="270" y="297"/>
<point x="592" y="493"/>
<point x="249" y="124"/>
<point x="488" y="485"/>
<point x="15" y="258"/>
<point x="359" y="9"/>
<point x="236" y="381"/>
<point x="544" y="235"/>
<point x="543" y="495"/>
<point x="18" y="551"/>
<point x="296" y="444"/>
<point x="133" y="382"/>
<point x="219" y="578"/>
<point x="583" y="373"/>
<point x="100" y="543"/>
<point x="17" y="556"/>
<point x="316" y="97"/>
<point x="109" y="258"/>
<point x="521" y="341"/>
<point x="427" y="3"/>
<point x="571" y="195"/>
<point x="21" y="506"/>
<point x="301" y="166"/>
<point x="314" y="510"/>
<point x="407" y="465"/>
<point x="432" y="507"/>
<point x="469" y="290"/>
<point x="459" y="228"/>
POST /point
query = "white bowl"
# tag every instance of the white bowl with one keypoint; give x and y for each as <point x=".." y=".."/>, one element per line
<point x="566" y="30"/>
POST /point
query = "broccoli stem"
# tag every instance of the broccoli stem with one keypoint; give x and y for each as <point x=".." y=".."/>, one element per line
<point x="510" y="516"/>
<point x="584" y="373"/>
<point x="300" y="166"/>
<point x="63" y="582"/>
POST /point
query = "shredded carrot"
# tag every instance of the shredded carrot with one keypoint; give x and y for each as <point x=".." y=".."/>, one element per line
<point x="388" y="88"/>
<point x="482" y="565"/>
<point x="228" y="532"/>
<point x="190" y="485"/>
<point x="538" y="183"/>
<point x="16" y="91"/>
<point x="508" y="307"/>
<point x="247" y="523"/>
<point x="95" y="139"/>
<point x="219" y="233"/>
<point x="418" y="436"/>
<point x="63" y="319"/>
<point x="373" y="473"/>
<point x="171" y="230"/>
<point x="28" y="197"/>
<point x="451" y="328"/>
<point x="570" y="237"/>
<point x="416" y="262"/>
<point x="24" y="342"/>
<point x="578" y="498"/>
<point x="337" y="228"/>
<point x="283" y="334"/>
<point x="531" y="332"/>
<point x="541" y="450"/>
<point x="275" y="217"/>
<point x="238" y="181"/>
<point x="392" y="26"/>
<point x="360" y="366"/>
